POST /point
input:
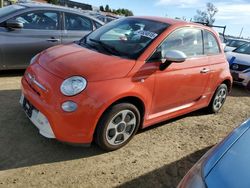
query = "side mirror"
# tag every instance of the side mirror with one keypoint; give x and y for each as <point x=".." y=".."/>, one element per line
<point x="14" y="24"/>
<point x="175" y="56"/>
<point x="172" y="56"/>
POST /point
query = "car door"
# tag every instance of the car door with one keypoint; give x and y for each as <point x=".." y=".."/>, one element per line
<point x="215" y="57"/>
<point x="41" y="30"/>
<point x="180" y="85"/>
<point x="75" y="27"/>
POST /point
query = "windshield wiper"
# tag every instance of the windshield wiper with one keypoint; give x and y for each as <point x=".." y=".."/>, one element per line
<point x="108" y="48"/>
<point x="83" y="41"/>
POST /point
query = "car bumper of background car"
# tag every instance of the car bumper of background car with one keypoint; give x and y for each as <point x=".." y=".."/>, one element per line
<point x="241" y="78"/>
<point x="75" y="128"/>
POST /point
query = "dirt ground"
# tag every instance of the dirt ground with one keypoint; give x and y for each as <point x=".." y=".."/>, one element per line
<point x="156" y="157"/>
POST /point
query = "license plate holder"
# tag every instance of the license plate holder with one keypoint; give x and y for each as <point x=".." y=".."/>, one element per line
<point x="28" y="108"/>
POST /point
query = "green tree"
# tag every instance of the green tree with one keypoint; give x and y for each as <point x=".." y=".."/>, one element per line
<point x="55" y="2"/>
<point x="101" y="8"/>
<point x="124" y="12"/>
<point x="107" y="9"/>
<point x="206" y="16"/>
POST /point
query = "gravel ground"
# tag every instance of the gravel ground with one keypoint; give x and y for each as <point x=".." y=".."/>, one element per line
<point x="156" y="157"/>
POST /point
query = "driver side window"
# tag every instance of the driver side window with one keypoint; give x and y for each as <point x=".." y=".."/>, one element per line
<point x="45" y="20"/>
<point x="187" y="40"/>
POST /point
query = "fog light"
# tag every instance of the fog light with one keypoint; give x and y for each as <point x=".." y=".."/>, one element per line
<point x="69" y="106"/>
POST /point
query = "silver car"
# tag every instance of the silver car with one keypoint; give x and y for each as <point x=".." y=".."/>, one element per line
<point x="28" y="28"/>
<point x="239" y="61"/>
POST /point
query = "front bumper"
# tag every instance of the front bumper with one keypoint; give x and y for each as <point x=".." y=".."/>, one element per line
<point x="240" y="77"/>
<point x="39" y="120"/>
<point x="76" y="127"/>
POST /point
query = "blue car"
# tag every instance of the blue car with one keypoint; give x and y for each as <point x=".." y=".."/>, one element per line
<point x="227" y="165"/>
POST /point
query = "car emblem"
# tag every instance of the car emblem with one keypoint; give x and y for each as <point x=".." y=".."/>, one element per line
<point x="34" y="81"/>
<point x="235" y="66"/>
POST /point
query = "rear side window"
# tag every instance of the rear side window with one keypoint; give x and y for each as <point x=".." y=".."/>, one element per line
<point x="97" y="25"/>
<point x="187" y="40"/>
<point x="211" y="46"/>
<point x="45" y="20"/>
<point x="74" y="22"/>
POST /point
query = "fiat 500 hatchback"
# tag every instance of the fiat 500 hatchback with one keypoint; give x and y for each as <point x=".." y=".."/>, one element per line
<point x="126" y="75"/>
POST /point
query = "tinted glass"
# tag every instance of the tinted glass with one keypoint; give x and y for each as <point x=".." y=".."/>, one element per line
<point x="39" y="20"/>
<point x="187" y="40"/>
<point x="76" y="22"/>
<point x="236" y="43"/>
<point x="97" y="25"/>
<point x="127" y="37"/>
<point x="211" y="46"/>
<point x="9" y="9"/>
<point x="245" y="49"/>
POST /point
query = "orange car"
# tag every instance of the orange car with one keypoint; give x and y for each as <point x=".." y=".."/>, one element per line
<point x="129" y="74"/>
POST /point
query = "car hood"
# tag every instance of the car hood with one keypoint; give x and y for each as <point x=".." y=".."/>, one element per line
<point x="69" y="60"/>
<point x="231" y="161"/>
<point x="243" y="59"/>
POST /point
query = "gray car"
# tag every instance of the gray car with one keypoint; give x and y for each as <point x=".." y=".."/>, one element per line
<point x="28" y="28"/>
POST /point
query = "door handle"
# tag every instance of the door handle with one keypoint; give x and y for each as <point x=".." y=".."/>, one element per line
<point x="52" y="39"/>
<point x="205" y="70"/>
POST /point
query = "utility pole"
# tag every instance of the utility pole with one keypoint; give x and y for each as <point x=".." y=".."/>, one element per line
<point x="1" y="3"/>
<point x="241" y="32"/>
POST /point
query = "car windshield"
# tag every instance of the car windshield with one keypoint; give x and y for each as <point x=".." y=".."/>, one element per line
<point x="244" y="49"/>
<point x="126" y="37"/>
<point x="236" y="43"/>
<point x="9" y="9"/>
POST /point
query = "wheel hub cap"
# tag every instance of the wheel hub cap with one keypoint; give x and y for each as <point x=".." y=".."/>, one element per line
<point x="121" y="127"/>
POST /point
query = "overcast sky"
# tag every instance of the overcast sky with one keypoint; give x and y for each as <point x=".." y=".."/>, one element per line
<point x="235" y="14"/>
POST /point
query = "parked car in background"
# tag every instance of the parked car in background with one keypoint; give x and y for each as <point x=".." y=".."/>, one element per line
<point x="105" y="88"/>
<point x="239" y="61"/>
<point x="29" y="28"/>
<point x="105" y="18"/>
<point x="225" y="165"/>
<point x="232" y="44"/>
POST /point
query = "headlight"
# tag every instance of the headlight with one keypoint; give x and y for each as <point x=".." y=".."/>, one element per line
<point x="34" y="59"/>
<point x="73" y="85"/>
<point x="69" y="106"/>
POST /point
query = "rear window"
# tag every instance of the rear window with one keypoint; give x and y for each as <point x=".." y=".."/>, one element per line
<point x="9" y="9"/>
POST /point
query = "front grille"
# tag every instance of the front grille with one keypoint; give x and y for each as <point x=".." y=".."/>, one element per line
<point x="240" y="67"/>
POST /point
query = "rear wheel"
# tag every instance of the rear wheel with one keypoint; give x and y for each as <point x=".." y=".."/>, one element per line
<point x="218" y="99"/>
<point x="117" y="126"/>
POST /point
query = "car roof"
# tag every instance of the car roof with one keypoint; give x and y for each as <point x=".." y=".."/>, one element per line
<point x="237" y="39"/>
<point x="171" y="21"/>
<point x="47" y="5"/>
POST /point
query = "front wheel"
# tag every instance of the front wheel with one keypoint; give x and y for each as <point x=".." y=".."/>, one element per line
<point x="218" y="99"/>
<point x="117" y="126"/>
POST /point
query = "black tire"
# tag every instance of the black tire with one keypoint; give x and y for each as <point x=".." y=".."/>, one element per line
<point x="213" y="108"/>
<point x="115" y="116"/>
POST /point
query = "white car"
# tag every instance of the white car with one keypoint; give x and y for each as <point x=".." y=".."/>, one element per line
<point x="239" y="62"/>
<point x="232" y="44"/>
